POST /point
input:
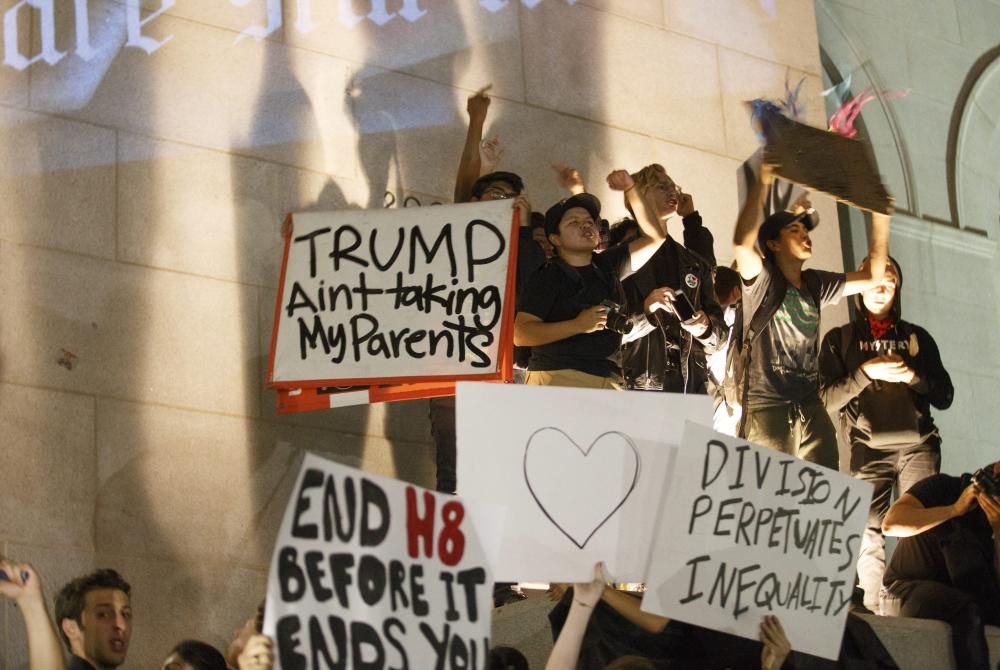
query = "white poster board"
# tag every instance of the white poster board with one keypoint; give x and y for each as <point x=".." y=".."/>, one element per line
<point x="580" y="471"/>
<point x="394" y="295"/>
<point x="748" y="531"/>
<point x="373" y="572"/>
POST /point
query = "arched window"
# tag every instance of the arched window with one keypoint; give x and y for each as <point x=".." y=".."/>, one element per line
<point x="974" y="148"/>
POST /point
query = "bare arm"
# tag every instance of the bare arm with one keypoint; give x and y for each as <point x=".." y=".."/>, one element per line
<point x="908" y="516"/>
<point x="871" y="274"/>
<point x="628" y="607"/>
<point x="566" y="651"/>
<point x="531" y="331"/>
<point x="651" y="233"/>
<point x="470" y="164"/>
<point x="23" y="585"/>
<point x="748" y="260"/>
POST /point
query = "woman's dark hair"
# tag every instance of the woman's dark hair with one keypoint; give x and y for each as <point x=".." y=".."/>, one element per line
<point x="199" y="655"/>
<point x="507" y="658"/>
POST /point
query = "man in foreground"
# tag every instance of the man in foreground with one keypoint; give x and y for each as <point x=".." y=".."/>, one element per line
<point x="945" y="565"/>
<point x="94" y="615"/>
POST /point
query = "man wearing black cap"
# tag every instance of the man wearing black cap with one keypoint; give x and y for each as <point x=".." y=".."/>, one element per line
<point x="565" y="309"/>
<point x="778" y="331"/>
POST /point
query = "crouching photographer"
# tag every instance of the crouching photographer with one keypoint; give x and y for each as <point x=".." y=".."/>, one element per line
<point x="569" y="312"/>
<point x="946" y="563"/>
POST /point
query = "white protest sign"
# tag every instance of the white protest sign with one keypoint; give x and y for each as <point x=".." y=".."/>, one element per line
<point x="748" y="531"/>
<point x="370" y="572"/>
<point x="580" y="471"/>
<point x="393" y="295"/>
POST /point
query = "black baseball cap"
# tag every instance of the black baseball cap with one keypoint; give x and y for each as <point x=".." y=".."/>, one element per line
<point x="555" y="213"/>
<point x="483" y="183"/>
<point x="771" y="228"/>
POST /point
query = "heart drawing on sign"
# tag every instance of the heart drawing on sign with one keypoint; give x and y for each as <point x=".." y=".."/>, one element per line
<point x="579" y="489"/>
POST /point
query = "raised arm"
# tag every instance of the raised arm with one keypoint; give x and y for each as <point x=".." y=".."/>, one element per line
<point x="21" y="583"/>
<point x="871" y="272"/>
<point x="566" y="651"/>
<point x="569" y="178"/>
<point x="697" y="237"/>
<point x="908" y="516"/>
<point x="470" y="164"/>
<point x="629" y="607"/>
<point x="651" y="233"/>
<point x="748" y="260"/>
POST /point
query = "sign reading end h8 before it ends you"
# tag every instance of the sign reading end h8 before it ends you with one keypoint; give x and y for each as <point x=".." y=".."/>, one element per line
<point x="395" y="296"/>
<point x="371" y="572"/>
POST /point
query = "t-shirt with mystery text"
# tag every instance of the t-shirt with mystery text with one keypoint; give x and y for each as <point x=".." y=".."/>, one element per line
<point x="558" y="292"/>
<point x="784" y="363"/>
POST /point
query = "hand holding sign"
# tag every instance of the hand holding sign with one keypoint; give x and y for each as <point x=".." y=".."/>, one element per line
<point x="418" y="294"/>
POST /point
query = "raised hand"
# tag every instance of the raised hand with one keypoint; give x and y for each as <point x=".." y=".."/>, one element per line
<point x="589" y="593"/>
<point x="258" y="654"/>
<point x="19" y="581"/>
<point x="620" y="180"/>
<point x="776" y="645"/>
<point x="478" y="104"/>
<point x="490" y="155"/>
<point x="685" y="204"/>
<point x="569" y="177"/>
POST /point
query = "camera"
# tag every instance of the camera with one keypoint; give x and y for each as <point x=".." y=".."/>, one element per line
<point x="618" y="321"/>
<point x="986" y="481"/>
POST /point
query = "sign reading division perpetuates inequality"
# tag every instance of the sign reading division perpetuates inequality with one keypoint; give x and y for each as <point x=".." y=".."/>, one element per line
<point x="390" y="296"/>
<point x="747" y="531"/>
<point x="371" y="572"/>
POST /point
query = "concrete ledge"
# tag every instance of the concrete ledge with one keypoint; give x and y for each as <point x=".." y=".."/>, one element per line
<point x="923" y="643"/>
<point x="915" y="644"/>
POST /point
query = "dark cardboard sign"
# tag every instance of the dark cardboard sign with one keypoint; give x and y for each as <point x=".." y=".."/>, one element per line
<point x="827" y="162"/>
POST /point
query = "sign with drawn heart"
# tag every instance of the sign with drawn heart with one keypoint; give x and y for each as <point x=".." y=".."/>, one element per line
<point x="600" y="494"/>
<point x="581" y="473"/>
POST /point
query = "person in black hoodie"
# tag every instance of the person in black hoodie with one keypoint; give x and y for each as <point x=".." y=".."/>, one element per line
<point x="882" y="374"/>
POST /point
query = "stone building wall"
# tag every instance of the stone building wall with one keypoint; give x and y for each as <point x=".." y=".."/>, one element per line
<point x="146" y="161"/>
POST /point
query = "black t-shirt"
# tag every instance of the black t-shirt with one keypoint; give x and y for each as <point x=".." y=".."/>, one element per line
<point x="558" y="292"/>
<point x="921" y="556"/>
<point x="77" y="663"/>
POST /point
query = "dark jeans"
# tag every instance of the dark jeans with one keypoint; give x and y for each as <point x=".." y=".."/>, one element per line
<point x="925" y="599"/>
<point x="803" y="430"/>
<point x="443" y="432"/>
<point x="886" y="469"/>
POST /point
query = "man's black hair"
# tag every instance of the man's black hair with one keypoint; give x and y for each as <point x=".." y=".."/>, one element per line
<point x="72" y="598"/>
<point x="199" y="655"/>
<point x="506" y="658"/>
<point x="623" y="231"/>
<point x="726" y="279"/>
<point x="484" y="182"/>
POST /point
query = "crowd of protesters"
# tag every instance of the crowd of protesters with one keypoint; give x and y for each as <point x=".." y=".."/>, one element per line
<point x="641" y="305"/>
